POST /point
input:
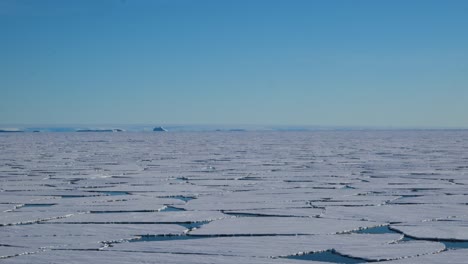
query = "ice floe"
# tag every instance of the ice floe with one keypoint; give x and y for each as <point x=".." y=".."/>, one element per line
<point x="447" y="257"/>
<point x="86" y="257"/>
<point x="140" y="218"/>
<point x="281" y="226"/>
<point x="262" y="246"/>
<point x="436" y="230"/>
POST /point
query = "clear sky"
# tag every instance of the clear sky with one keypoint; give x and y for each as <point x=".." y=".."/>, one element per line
<point x="347" y="63"/>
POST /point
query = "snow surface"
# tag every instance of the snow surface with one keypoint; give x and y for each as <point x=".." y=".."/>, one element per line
<point x="265" y="246"/>
<point x="80" y="257"/>
<point x="458" y="256"/>
<point x="281" y="225"/>
<point x="220" y="197"/>
<point x="436" y="230"/>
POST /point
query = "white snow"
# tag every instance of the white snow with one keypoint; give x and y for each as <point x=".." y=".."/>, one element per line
<point x="80" y="197"/>
<point x="381" y="251"/>
<point x="436" y="230"/>
<point x="86" y="257"/>
<point x="263" y="246"/>
<point x="281" y="225"/>
<point x="448" y="257"/>
<point x="151" y="217"/>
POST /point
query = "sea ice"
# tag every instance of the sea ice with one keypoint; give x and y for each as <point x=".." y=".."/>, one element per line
<point x="140" y="218"/>
<point x="281" y="226"/>
<point x="397" y="213"/>
<point x="220" y="197"/>
<point x="436" y="230"/>
<point x="262" y="246"/>
<point x="382" y="252"/>
<point x="446" y="257"/>
<point x="80" y="257"/>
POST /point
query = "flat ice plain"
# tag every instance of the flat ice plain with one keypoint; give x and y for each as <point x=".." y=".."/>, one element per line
<point x="234" y="197"/>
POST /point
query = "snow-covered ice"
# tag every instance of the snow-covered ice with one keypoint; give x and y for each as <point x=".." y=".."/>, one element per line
<point x="435" y="230"/>
<point x="220" y="197"/>
<point x="86" y="257"/>
<point x="262" y="246"/>
<point x="281" y="226"/>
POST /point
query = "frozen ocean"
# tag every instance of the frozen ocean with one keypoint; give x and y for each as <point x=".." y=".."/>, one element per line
<point x="234" y="197"/>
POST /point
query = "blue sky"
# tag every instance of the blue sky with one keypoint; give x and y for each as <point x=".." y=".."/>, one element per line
<point x="346" y="63"/>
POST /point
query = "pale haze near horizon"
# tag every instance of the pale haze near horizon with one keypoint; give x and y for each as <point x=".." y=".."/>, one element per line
<point x="336" y="63"/>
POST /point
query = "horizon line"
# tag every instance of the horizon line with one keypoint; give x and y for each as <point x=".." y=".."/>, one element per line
<point x="253" y="127"/>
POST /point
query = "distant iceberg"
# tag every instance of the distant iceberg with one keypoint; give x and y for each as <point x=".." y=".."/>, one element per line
<point x="100" y="130"/>
<point x="10" y="130"/>
<point x="159" y="129"/>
